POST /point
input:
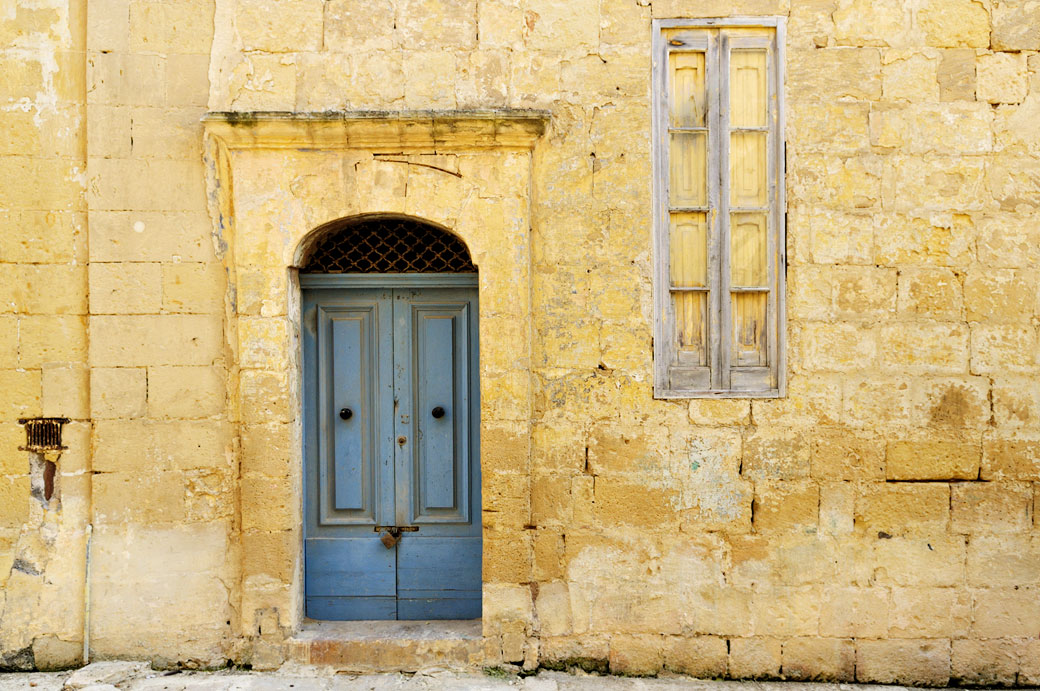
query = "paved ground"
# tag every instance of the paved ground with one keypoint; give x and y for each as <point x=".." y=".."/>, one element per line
<point x="136" y="677"/>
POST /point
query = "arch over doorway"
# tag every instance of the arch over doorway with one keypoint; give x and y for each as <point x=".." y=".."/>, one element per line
<point x="384" y="243"/>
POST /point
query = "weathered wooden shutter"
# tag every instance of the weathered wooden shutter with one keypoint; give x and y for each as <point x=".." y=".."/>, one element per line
<point x="719" y="224"/>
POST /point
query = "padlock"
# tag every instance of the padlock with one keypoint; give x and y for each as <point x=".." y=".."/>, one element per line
<point x="389" y="540"/>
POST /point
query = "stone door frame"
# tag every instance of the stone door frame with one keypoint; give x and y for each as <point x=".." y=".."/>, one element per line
<point x="273" y="179"/>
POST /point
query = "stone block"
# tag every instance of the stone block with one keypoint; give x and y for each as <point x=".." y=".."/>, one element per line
<point x="166" y="132"/>
<point x="137" y="341"/>
<point x="909" y="661"/>
<point x="132" y="446"/>
<point x="108" y="26"/>
<point x="1000" y="349"/>
<point x="267" y="449"/>
<point x="837" y="346"/>
<point x="125" y="288"/>
<point x="864" y="292"/>
<point x="991" y="508"/>
<point x="872" y="23"/>
<point x="636" y="655"/>
<point x="784" y="611"/>
<point x="720" y="412"/>
<point x="1015" y="403"/>
<point x="704" y="657"/>
<point x="840" y="238"/>
<point x="873" y="403"/>
<point x="552" y="607"/>
<point x="554" y="28"/>
<point x="921" y="612"/>
<point x="1029" y="660"/>
<point x="437" y="24"/>
<point x="51" y="339"/>
<point x="786" y="506"/>
<point x="841" y="182"/>
<point x="755" y="658"/>
<point x="776" y="454"/>
<point x="152" y="498"/>
<point x="819" y="659"/>
<point x="985" y="663"/>
<point x="118" y="392"/>
<point x="270" y="555"/>
<point x="837" y="508"/>
<point x="1012" y="459"/>
<point x="186" y="392"/>
<point x="266" y="507"/>
<point x="180" y="26"/>
<point x="922" y="184"/>
<point x="190" y="287"/>
<point x="958" y="404"/>
<point x="933" y="348"/>
<point x="187" y="80"/>
<point x="900" y="509"/>
<point x="840" y="72"/>
<point x="927" y="128"/>
<point x="23" y="393"/>
<point x="430" y="79"/>
<point x="108" y="130"/>
<point x="1016" y="26"/>
<point x="1006" y="612"/>
<point x="628" y="503"/>
<point x="934" y="241"/>
<point x="14" y="500"/>
<point x="930" y="293"/>
<point x="919" y="560"/>
<point x="909" y="75"/>
<point x="1000" y="295"/>
<point x="66" y="391"/>
<point x="353" y="26"/>
<point x="125" y="78"/>
<point x="853" y="613"/>
<point x="547" y="546"/>
<point x="280" y="26"/>
<point x="1003" y="560"/>
<point x="954" y="23"/>
<point x="146" y="236"/>
<point x="1001" y="77"/>
<point x="956" y="75"/>
<point x="51" y="653"/>
<point x="932" y="460"/>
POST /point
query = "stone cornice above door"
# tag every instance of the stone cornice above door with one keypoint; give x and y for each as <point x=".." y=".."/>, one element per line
<point x="380" y="131"/>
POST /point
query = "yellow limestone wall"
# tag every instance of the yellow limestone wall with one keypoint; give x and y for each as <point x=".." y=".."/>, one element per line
<point x="877" y="524"/>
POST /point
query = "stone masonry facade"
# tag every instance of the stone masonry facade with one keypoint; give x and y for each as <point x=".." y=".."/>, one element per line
<point x="164" y="163"/>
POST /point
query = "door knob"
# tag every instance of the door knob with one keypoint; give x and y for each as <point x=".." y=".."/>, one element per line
<point x="346" y="413"/>
<point x="438" y="412"/>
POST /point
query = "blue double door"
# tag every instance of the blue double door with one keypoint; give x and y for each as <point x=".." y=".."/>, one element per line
<point x="392" y="471"/>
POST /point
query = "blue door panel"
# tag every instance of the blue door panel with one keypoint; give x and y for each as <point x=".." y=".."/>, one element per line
<point x="440" y="608"/>
<point x="439" y="463"/>
<point x="354" y="566"/>
<point x="387" y="358"/>
<point x="351" y="608"/>
<point x="448" y="564"/>
<point x="353" y="479"/>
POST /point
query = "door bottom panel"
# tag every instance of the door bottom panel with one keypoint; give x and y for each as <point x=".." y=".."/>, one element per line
<point x="351" y="608"/>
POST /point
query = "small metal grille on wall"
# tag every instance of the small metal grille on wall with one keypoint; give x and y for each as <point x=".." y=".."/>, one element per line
<point x="43" y="433"/>
<point x="388" y="245"/>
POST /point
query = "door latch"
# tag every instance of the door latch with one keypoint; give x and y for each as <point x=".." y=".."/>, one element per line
<point x="392" y="534"/>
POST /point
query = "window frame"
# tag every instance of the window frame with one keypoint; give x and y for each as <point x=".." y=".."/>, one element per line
<point x="718" y="308"/>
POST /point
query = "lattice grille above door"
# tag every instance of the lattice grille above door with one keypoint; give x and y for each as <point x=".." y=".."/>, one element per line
<point x="388" y="245"/>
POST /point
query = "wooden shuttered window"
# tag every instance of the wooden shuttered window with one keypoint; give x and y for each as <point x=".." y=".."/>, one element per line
<point x="719" y="221"/>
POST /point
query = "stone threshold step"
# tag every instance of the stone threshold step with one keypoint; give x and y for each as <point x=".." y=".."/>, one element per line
<point x="388" y="646"/>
